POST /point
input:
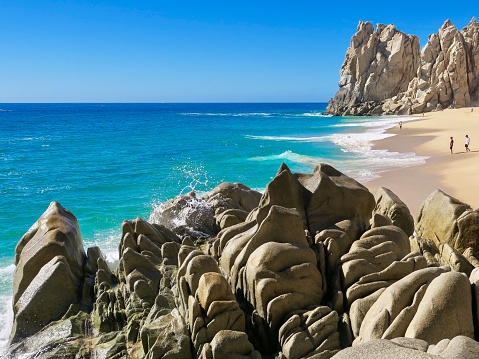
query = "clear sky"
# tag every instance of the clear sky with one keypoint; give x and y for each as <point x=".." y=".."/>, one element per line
<point x="192" y="51"/>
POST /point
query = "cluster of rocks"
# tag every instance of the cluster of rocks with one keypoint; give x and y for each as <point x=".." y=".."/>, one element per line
<point x="315" y="267"/>
<point x="385" y="72"/>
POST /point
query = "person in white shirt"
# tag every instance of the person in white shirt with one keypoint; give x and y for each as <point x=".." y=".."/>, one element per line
<point x="468" y="140"/>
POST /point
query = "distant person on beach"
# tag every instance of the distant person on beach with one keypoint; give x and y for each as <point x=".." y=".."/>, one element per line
<point x="468" y="140"/>
<point x="400" y="124"/>
<point x="451" y="144"/>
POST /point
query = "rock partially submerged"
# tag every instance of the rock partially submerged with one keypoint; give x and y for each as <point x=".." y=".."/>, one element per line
<point x="315" y="267"/>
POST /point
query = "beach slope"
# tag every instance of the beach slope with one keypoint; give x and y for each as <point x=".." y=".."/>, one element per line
<point x="429" y="135"/>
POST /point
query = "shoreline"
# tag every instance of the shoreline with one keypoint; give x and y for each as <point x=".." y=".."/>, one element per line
<point x="429" y="135"/>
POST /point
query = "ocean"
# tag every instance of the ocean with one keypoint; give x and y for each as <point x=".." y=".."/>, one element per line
<point x="110" y="162"/>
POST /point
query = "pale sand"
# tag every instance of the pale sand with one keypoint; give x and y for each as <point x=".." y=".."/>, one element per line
<point x="429" y="135"/>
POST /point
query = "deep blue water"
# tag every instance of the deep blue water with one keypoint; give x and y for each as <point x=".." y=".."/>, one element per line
<point x="111" y="162"/>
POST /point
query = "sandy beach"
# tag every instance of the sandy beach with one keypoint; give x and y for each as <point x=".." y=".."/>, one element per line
<point x="455" y="174"/>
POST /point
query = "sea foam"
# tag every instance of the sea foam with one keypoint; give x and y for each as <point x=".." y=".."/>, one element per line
<point x="362" y="161"/>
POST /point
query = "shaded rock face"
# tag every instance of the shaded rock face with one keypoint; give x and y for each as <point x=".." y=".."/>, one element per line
<point x="318" y="268"/>
<point x="384" y="72"/>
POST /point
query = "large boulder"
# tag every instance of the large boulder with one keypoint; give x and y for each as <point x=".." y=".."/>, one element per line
<point x="49" y="271"/>
<point x="444" y="219"/>
<point x="332" y="197"/>
<point x="431" y="304"/>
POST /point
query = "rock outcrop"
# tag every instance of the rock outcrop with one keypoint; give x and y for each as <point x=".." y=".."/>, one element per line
<point x="443" y="219"/>
<point x="385" y="73"/>
<point x="48" y="257"/>
<point x="315" y="267"/>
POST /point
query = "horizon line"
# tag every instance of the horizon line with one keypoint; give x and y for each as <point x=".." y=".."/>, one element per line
<point x="166" y="103"/>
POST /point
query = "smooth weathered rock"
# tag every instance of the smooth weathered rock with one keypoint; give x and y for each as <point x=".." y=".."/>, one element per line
<point x="457" y="347"/>
<point x="53" y="289"/>
<point x="284" y="191"/>
<point x="444" y="219"/>
<point x="390" y="205"/>
<point x="373" y="252"/>
<point x="382" y="349"/>
<point x="233" y="196"/>
<point x="451" y="257"/>
<point x="312" y="332"/>
<point x="49" y="271"/>
<point x="404" y="309"/>
<point x="55" y="233"/>
<point x="228" y="344"/>
<point x="334" y="197"/>
<point x="364" y="293"/>
<point x="281" y="278"/>
<point x="277" y="289"/>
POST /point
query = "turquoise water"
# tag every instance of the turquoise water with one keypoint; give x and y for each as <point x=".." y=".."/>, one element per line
<point x="111" y="162"/>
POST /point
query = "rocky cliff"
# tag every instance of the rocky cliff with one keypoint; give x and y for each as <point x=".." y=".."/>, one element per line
<point x="315" y="267"/>
<point x="385" y="72"/>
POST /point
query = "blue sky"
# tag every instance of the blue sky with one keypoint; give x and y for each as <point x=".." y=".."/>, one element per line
<point x="190" y="51"/>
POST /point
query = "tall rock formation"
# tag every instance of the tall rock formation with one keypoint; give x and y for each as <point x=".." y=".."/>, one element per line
<point x="384" y="72"/>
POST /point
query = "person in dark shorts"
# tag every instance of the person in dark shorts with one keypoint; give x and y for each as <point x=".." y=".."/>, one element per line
<point x="451" y="144"/>
<point x="468" y="140"/>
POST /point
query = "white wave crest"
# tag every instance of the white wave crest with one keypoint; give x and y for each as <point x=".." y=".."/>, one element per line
<point x="232" y="114"/>
<point x="357" y="142"/>
<point x="289" y="156"/>
<point x="315" y="114"/>
<point x="381" y="122"/>
<point x="289" y="138"/>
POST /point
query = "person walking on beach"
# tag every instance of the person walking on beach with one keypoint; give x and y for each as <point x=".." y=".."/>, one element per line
<point x="451" y="144"/>
<point x="400" y="124"/>
<point x="468" y="140"/>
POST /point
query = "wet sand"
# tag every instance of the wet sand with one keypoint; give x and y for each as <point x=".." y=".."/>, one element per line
<point x="456" y="174"/>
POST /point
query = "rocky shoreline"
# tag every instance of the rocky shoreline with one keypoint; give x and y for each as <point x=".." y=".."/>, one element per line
<point x="315" y="267"/>
<point x="385" y="72"/>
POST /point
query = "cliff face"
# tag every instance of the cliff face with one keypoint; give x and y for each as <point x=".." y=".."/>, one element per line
<point x="385" y="73"/>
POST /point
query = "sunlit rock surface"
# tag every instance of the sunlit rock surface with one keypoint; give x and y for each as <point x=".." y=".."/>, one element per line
<point x="384" y="72"/>
<point x="315" y="267"/>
